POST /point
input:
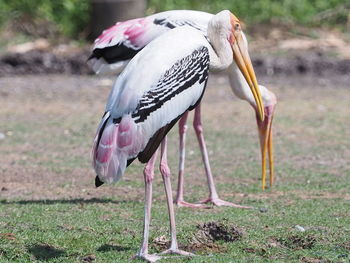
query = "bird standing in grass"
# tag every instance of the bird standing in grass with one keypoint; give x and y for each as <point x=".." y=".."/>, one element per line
<point x="117" y="45"/>
<point x="158" y="86"/>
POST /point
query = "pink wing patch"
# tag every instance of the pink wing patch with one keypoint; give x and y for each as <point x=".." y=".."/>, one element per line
<point x="124" y="135"/>
<point x="127" y="32"/>
<point x="106" y="145"/>
<point x="103" y="161"/>
<point x="117" y="144"/>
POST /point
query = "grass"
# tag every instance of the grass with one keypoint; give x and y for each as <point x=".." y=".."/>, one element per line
<point x="69" y="231"/>
<point x="46" y="18"/>
<point x="50" y="211"/>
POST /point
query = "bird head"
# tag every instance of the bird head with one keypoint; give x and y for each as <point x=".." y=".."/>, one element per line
<point x="225" y="26"/>
<point x="243" y="61"/>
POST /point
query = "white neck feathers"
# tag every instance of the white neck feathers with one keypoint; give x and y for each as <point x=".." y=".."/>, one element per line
<point x="219" y="28"/>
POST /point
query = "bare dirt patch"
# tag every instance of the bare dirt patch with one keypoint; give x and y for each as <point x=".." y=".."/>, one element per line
<point x="275" y="50"/>
<point x="204" y="240"/>
<point x="88" y="258"/>
<point x="44" y="62"/>
<point x="294" y="38"/>
<point x="222" y="230"/>
<point x="55" y="118"/>
<point x="210" y="232"/>
<point x="7" y="236"/>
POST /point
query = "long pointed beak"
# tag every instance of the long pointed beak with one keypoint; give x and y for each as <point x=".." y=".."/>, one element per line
<point x="242" y="58"/>
<point x="266" y="144"/>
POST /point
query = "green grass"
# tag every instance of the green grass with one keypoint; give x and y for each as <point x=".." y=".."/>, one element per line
<point x="303" y="12"/>
<point x="50" y="211"/>
<point x="68" y="17"/>
<point x="68" y="230"/>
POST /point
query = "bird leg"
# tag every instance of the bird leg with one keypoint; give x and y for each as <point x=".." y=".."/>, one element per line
<point x="213" y="195"/>
<point x="182" y="153"/>
<point x="165" y="171"/>
<point x="148" y="173"/>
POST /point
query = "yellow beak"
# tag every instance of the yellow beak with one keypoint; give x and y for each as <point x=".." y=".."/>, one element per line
<point x="242" y="58"/>
<point x="266" y="145"/>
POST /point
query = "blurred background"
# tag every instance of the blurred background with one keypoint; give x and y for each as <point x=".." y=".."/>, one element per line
<point x="70" y="18"/>
<point x="68" y="26"/>
<point x="64" y="30"/>
<point x="75" y="22"/>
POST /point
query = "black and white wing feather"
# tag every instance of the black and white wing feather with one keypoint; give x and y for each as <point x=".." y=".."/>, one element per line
<point x="118" y="44"/>
<point x="152" y="93"/>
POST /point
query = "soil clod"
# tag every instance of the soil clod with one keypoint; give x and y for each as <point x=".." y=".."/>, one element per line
<point x="214" y="231"/>
<point x="263" y="210"/>
<point x="204" y="240"/>
<point x="161" y="243"/>
<point x="88" y="258"/>
<point x="210" y="232"/>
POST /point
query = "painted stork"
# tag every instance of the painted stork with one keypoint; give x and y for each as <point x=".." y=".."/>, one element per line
<point x="118" y="44"/>
<point x="158" y="86"/>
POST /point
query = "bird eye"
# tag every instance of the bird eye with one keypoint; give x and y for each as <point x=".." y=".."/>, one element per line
<point x="237" y="26"/>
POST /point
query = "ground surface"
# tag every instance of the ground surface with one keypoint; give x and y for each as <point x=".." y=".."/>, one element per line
<point x="51" y="212"/>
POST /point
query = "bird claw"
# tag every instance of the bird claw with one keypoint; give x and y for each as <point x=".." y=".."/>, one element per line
<point x="155" y="257"/>
<point x="177" y="252"/>
<point x="220" y="202"/>
<point x="148" y="257"/>
<point x="190" y="205"/>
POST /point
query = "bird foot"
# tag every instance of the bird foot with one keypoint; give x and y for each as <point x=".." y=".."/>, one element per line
<point x="148" y="257"/>
<point x="190" y="205"/>
<point x="220" y="202"/>
<point x="177" y="252"/>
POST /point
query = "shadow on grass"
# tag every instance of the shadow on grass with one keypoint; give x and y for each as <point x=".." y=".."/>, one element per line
<point x="45" y="252"/>
<point x="108" y="247"/>
<point x="66" y="201"/>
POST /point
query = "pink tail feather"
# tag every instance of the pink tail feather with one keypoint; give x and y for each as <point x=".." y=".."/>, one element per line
<point x="112" y="148"/>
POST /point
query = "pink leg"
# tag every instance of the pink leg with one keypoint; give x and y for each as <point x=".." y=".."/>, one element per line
<point x="165" y="171"/>
<point x="213" y="195"/>
<point x="182" y="153"/>
<point x="148" y="176"/>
